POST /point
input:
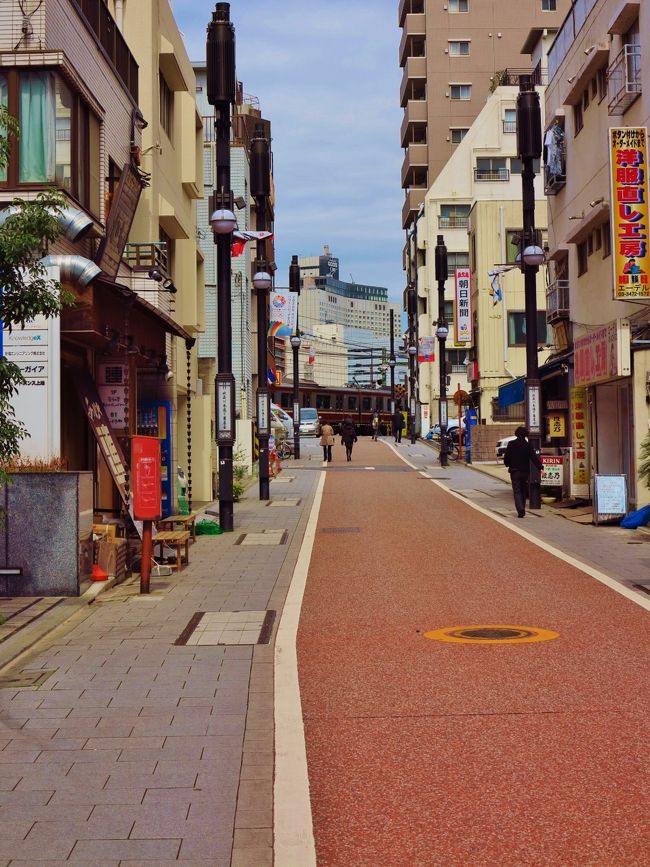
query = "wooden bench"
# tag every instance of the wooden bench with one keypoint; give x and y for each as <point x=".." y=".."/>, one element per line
<point x="187" y="522"/>
<point x="174" y="539"/>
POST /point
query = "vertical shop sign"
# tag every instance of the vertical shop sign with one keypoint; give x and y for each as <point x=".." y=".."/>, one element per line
<point x="629" y="223"/>
<point x="463" y="308"/>
<point x="579" y="442"/>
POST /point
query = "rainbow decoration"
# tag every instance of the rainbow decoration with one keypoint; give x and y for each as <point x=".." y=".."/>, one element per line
<point x="280" y="329"/>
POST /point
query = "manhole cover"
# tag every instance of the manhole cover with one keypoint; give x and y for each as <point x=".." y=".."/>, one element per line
<point x="24" y="679"/>
<point x="491" y="634"/>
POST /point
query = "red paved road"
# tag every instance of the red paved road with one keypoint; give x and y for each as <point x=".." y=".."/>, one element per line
<point x="426" y="753"/>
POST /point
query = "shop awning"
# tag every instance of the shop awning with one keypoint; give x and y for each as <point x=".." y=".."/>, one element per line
<point x="149" y="309"/>
<point x="512" y="392"/>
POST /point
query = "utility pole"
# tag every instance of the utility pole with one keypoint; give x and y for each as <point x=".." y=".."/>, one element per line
<point x="529" y="148"/>
<point x="442" y="330"/>
<point x="220" y="62"/>
<point x="261" y="192"/>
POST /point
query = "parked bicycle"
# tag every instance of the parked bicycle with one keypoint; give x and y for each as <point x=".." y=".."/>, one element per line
<point x="284" y="449"/>
<point x="452" y="447"/>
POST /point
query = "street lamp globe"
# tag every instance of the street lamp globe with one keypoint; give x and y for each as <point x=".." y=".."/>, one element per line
<point x="392" y="362"/>
<point x="262" y="280"/>
<point x="295" y="341"/>
<point x="533" y="255"/>
<point x="442" y="330"/>
<point x="223" y="221"/>
<point x="412" y="350"/>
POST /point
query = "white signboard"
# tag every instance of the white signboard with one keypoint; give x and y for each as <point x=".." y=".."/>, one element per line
<point x="552" y="472"/>
<point x="36" y="349"/>
<point x="610" y="497"/>
<point x="463" y="308"/>
<point x="534" y="409"/>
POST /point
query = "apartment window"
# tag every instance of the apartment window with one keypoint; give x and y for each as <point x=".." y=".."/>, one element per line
<point x="607" y="240"/>
<point x="590" y="245"/>
<point x="458" y="133"/>
<point x="454" y="216"/>
<point x="602" y="83"/>
<point x="457" y="260"/>
<point x="578" y="121"/>
<point x="515" y="165"/>
<point x="4" y="103"/>
<point x="597" y="238"/>
<point x="59" y="140"/>
<point x="594" y="88"/>
<point x="449" y="311"/>
<point x="458" y="47"/>
<point x="583" y="256"/>
<point x="585" y="99"/>
<point x="166" y="107"/>
<point x="458" y="6"/>
<point x="517" y="328"/>
<point x="549" y="5"/>
<point x="491" y="169"/>
<point x="510" y="120"/>
<point x="460" y="91"/>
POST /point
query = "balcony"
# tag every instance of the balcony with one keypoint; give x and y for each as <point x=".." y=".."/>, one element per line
<point x="459" y="221"/>
<point x="414" y="71"/>
<point x="409" y="6"/>
<point x="557" y="300"/>
<point x="555" y="175"/>
<point x="413" y="37"/>
<point x="624" y="78"/>
<point x="414" y="198"/>
<point x="512" y="77"/>
<point x="416" y="112"/>
<point x="491" y="174"/>
<point x="417" y="155"/>
<point x="99" y="21"/>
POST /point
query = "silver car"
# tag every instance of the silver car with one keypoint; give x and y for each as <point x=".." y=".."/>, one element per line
<point x="309" y="422"/>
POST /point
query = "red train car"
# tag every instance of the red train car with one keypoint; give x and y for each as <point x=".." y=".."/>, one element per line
<point x="334" y="404"/>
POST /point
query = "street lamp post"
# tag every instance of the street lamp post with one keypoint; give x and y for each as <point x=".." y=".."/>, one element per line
<point x="294" y="286"/>
<point x="261" y="192"/>
<point x="392" y="362"/>
<point x="529" y="148"/>
<point x="412" y="351"/>
<point x="220" y="62"/>
<point x="442" y="331"/>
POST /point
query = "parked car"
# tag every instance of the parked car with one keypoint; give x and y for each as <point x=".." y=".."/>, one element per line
<point x="284" y="417"/>
<point x="502" y="445"/>
<point x="309" y="422"/>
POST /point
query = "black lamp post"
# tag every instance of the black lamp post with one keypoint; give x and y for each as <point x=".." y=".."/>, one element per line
<point x="261" y="192"/>
<point x="413" y="404"/>
<point x="220" y="61"/>
<point x="442" y="331"/>
<point x="529" y="148"/>
<point x="294" y="286"/>
<point x="392" y="362"/>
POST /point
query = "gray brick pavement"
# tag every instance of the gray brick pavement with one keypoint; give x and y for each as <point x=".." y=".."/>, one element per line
<point x="137" y="751"/>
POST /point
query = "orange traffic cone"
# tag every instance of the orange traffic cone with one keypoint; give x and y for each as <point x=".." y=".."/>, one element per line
<point x="98" y="573"/>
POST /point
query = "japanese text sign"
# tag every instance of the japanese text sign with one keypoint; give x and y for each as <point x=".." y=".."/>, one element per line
<point x="463" y="307"/>
<point x="629" y="180"/>
<point x="147" y="493"/>
<point x="603" y="353"/>
<point x="551" y="471"/>
<point x="579" y="440"/>
<point x="556" y="425"/>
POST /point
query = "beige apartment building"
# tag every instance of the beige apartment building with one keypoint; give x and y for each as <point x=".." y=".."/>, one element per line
<point x="598" y="80"/>
<point x="475" y="203"/>
<point x="84" y="79"/>
<point x="452" y="54"/>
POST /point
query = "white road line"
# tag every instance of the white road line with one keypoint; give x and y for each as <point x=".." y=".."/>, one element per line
<point x="293" y="842"/>
<point x="612" y="583"/>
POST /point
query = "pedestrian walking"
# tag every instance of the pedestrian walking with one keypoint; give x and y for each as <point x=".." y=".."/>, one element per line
<point x="348" y="435"/>
<point x="375" y="423"/>
<point x="327" y="441"/>
<point x="397" y="421"/>
<point x="518" y="458"/>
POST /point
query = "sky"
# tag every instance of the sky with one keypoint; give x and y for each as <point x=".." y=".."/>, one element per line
<point x="327" y="77"/>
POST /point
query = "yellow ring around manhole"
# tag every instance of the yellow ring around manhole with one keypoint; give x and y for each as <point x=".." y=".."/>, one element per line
<point x="519" y="634"/>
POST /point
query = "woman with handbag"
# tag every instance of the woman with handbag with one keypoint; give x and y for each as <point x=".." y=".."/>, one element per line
<point x="327" y="441"/>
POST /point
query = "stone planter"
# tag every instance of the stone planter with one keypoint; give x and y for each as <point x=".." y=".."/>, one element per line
<point x="47" y="533"/>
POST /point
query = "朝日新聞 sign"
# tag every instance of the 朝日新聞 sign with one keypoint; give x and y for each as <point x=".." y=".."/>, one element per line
<point x="463" y="307"/>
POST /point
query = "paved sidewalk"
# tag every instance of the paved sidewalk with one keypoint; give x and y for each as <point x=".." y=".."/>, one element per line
<point x="138" y="749"/>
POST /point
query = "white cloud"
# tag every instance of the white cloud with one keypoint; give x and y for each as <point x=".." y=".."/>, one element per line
<point x="327" y="77"/>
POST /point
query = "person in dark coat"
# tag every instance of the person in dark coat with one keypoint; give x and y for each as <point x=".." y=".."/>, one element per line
<point x="397" y="420"/>
<point x="518" y="458"/>
<point x="348" y="435"/>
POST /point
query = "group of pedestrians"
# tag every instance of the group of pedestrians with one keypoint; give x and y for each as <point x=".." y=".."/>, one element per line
<point x="348" y="433"/>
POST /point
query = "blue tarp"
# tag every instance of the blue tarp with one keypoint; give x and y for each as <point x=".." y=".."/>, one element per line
<point x="512" y="392"/>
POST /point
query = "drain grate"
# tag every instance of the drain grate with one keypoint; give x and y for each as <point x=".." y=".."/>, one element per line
<point x="24" y="679"/>
<point x="341" y="530"/>
<point x="218" y="628"/>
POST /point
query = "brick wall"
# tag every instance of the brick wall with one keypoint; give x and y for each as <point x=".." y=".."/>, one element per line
<point x="485" y="438"/>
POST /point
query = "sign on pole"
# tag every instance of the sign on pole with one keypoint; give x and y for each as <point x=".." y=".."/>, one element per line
<point x="463" y="307"/>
